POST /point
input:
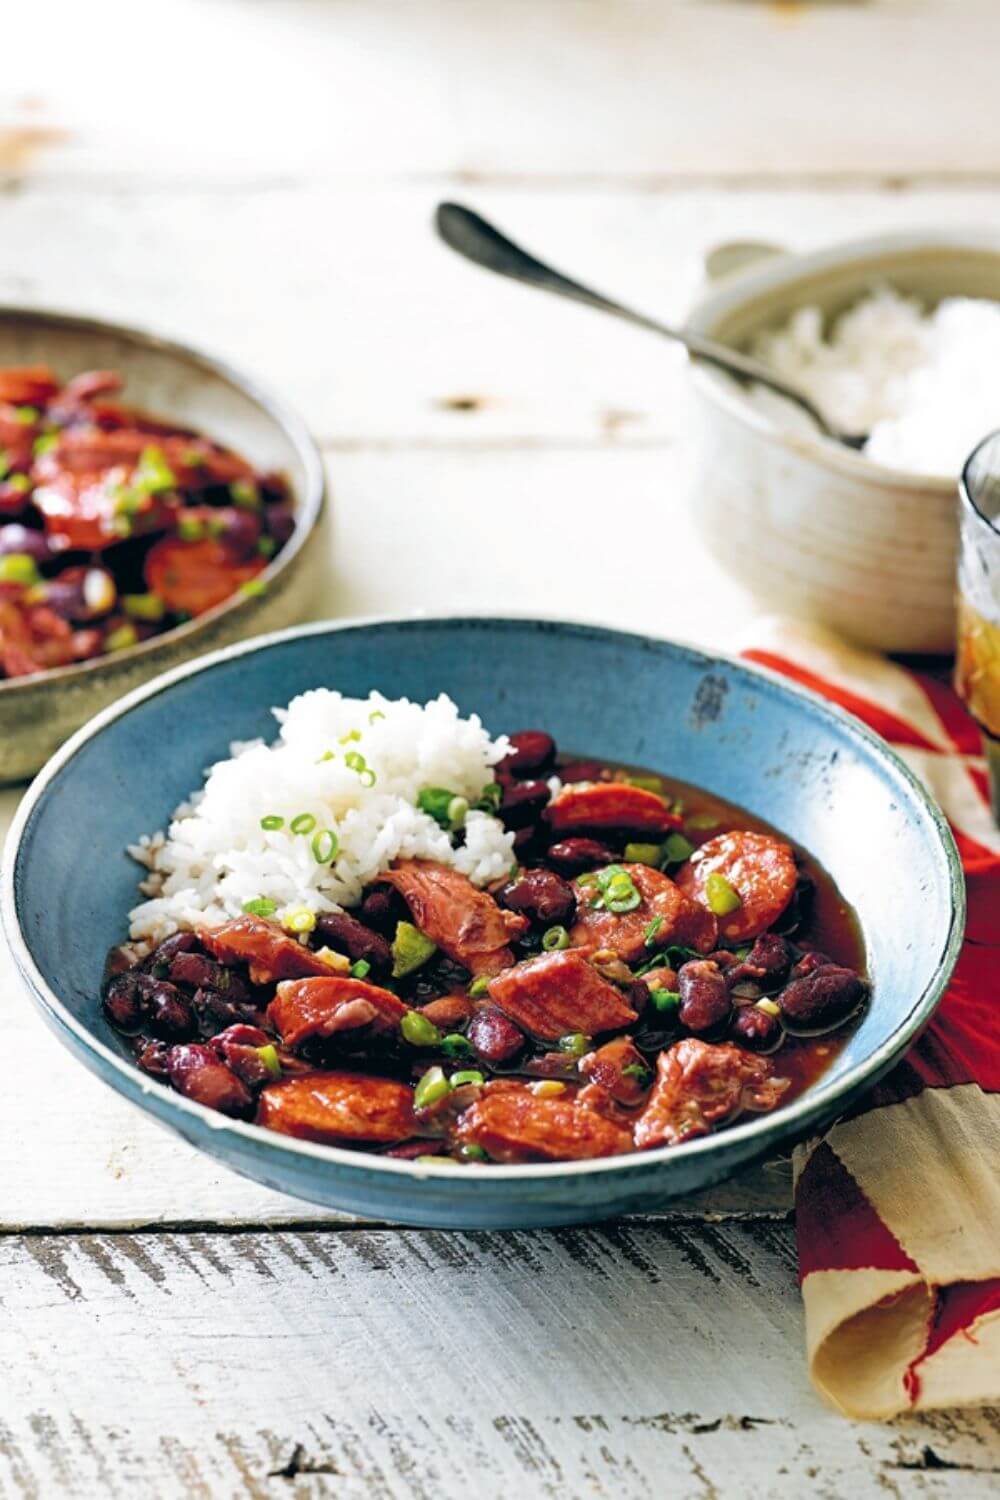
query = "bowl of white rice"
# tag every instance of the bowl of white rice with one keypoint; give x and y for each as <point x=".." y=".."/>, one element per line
<point x="897" y="337"/>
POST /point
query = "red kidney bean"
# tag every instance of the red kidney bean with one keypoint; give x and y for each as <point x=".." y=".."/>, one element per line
<point x="529" y="843"/>
<point x="530" y="750"/>
<point x="822" y="998"/>
<point x="766" y="964"/>
<point x="755" y="1029"/>
<point x="123" y="1003"/>
<point x="705" y="1001"/>
<point x="448" y="1011"/>
<point x="810" y="961"/>
<point x="410" y="1150"/>
<point x="64" y="596"/>
<point x="541" y="895"/>
<point x="581" y="770"/>
<point x="215" y="1012"/>
<point x="25" y="539"/>
<point x="345" y="934"/>
<point x="198" y="1074"/>
<point x="169" y="1015"/>
<point x="203" y="973"/>
<point x="576" y="856"/>
<point x="153" y="1059"/>
<point x="158" y="962"/>
<point x="495" y="1038"/>
<point x="239" y="530"/>
<point x="279" y="518"/>
<point x="522" y="802"/>
<point x="381" y="908"/>
<point x="238" y="1047"/>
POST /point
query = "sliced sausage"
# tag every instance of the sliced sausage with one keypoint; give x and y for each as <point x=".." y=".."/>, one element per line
<point x="270" y="952"/>
<point x="760" y="868"/>
<point x="610" y="804"/>
<point x="352" y="1107"/>
<point x="559" y="993"/>
<point x="304" y="1009"/>
<point x="677" y="919"/>
<point x="193" y="577"/>
<point x="462" y="920"/>
<point x="699" y="1085"/>
<point x="620" y="1068"/>
<point x="512" y="1123"/>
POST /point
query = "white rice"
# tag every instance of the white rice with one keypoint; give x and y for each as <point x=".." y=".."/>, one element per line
<point x="922" y="384"/>
<point x="215" y="856"/>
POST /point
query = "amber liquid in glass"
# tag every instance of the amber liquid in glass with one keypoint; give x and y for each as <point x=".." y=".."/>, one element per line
<point x="977" y="666"/>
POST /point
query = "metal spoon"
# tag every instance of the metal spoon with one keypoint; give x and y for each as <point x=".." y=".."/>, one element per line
<point x="472" y="236"/>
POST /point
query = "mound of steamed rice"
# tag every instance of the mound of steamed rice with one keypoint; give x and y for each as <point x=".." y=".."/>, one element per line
<point x="354" y="765"/>
<point x="922" y="384"/>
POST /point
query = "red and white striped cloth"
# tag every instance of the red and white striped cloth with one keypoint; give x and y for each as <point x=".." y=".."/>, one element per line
<point x="898" y="1205"/>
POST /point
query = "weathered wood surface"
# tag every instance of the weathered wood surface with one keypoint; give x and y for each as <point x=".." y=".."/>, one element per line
<point x="624" y="1361"/>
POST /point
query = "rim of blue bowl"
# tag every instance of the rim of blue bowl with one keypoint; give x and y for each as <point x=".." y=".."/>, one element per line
<point x="795" y="1120"/>
<point x="307" y="515"/>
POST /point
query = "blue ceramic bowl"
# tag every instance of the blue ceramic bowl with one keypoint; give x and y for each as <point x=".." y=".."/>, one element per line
<point x="783" y="754"/>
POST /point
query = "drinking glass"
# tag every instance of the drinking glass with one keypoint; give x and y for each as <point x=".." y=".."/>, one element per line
<point x="977" y="662"/>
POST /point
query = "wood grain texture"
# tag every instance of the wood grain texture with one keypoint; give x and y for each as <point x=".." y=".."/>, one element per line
<point x="624" y="1361"/>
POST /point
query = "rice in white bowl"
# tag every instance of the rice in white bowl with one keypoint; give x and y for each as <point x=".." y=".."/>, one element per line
<point x="356" y="767"/>
<point x="922" y="384"/>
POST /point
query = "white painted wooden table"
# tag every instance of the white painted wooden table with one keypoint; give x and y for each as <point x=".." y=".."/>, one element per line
<point x="258" y="176"/>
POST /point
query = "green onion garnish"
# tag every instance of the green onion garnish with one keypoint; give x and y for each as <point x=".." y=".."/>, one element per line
<point x="643" y="854"/>
<point x="253" y="588"/>
<point x="479" y="987"/>
<point x="244" y="493"/>
<point x="649" y="936"/>
<point x="120" y="638"/>
<point x="467" y="1075"/>
<point x="18" y="567"/>
<point x="676" y="849"/>
<point x="472" y="1152"/>
<point x="300" y="920"/>
<point x="324" y="845"/>
<point x="190" y="528"/>
<point x="266" y="546"/>
<point x="554" y="939"/>
<point x="723" y="898"/>
<point x="665" y="1000"/>
<point x="148" y="607"/>
<point x="702" y="821"/>
<point x="375" y="715"/>
<point x="436" y="802"/>
<point x="352" y="734"/>
<point x="27" y="414"/>
<point x="410" y="949"/>
<point x="647" y="783"/>
<point x="576" y="1043"/>
<point x="302" y="823"/>
<point x="432" y="1087"/>
<point x="269" y="1057"/>
<point x="641" y="1074"/>
<point x="272" y="822"/>
<point x="152" y="473"/>
<point x="45" y="444"/>
<point x="355" y="761"/>
<point x="456" y="1045"/>
<point x="4" y="463"/>
<point x="490" y="798"/>
<point x="261" y="906"/>
<point x="418" y="1031"/>
<point x="327" y="755"/>
<point x="361" y="969"/>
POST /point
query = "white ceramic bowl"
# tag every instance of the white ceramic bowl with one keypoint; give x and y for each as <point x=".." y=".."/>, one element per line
<point x="814" y="529"/>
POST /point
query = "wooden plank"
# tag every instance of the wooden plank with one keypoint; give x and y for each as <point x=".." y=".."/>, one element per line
<point x="340" y="297"/>
<point x="286" y="88"/>
<point x="625" y="1361"/>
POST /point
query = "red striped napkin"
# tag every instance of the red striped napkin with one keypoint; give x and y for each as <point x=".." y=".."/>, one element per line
<point x="898" y="1206"/>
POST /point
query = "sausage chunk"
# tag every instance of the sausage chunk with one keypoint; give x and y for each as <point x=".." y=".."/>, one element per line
<point x="304" y="1009"/>
<point x="761" y="870"/>
<point x="270" y="952"/>
<point x="463" y="921"/>
<point x="665" y="915"/>
<point x="355" y="1108"/>
<point x="558" y="993"/>
<point x="512" y="1123"/>
<point x="610" y="804"/>
<point x="698" y="1085"/>
<point x="620" y="1068"/>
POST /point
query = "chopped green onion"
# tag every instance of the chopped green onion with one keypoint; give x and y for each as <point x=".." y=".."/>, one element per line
<point x="19" y="567"/>
<point x="768" y="1007"/>
<point x="352" y="734"/>
<point x="641" y="1074"/>
<point x="269" y="1057"/>
<point x="458" y="807"/>
<point x="375" y="715"/>
<point x="647" y="783"/>
<point x="456" y="1045"/>
<point x="432" y="1087"/>
<point x="192" y="458"/>
<point x="554" y="939"/>
<point x="327" y="755"/>
<point x="19" y="483"/>
<point x="300" y="920"/>
<point x="619" y="890"/>
<point x="4" y="463"/>
<point x="490" y="798"/>
<point x="676" y="849"/>
<point x="262" y="906"/>
<point x="418" y="1031"/>
<point x="355" y="761"/>
<point x="27" y="414"/>
<point x="45" y="444"/>
<point x="272" y="822"/>
<point x="253" y="588"/>
<point x="479" y="987"/>
<point x="586" y="881"/>
<point x="143" y="607"/>
<point x="266" y="546"/>
<point x="643" y="854"/>
<point x="245" y="494"/>
<point x="664" y="999"/>
<point x="702" y="821"/>
<point x="152" y="473"/>
<point x="576" y="1043"/>
<point x="360" y="969"/>
<point x="468" y="1075"/>
<point x="190" y="528"/>
<point x="216" y="525"/>
<point x="302" y="823"/>
<point x="410" y="949"/>
<point x="324" y="846"/>
<point x="120" y="638"/>
<point x="723" y="898"/>
<point x="437" y="802"/>
<point x="472" y="1152"/>
<point x="649" y="936"/>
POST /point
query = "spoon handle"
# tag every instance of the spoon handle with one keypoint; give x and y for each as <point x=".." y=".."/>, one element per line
<point x="481" y="242"/>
